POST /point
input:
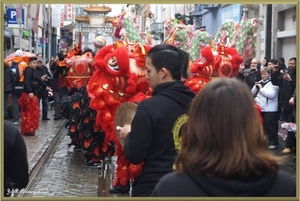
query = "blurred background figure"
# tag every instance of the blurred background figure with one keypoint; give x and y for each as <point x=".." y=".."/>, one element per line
<point x="281" y="63"/>
<point x="265" y="62"/>
<point x="15" y="159"/>
<point x="8" y="86"/>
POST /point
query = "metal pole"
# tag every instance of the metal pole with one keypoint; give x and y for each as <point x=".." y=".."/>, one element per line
<point x="80" y="36"/>
<point x="44" y="45"/>
<point x="30" y="41"/>
<point x="36" y="43"/>
<point x="20" y="35"/>
<point x="49" y="46"/>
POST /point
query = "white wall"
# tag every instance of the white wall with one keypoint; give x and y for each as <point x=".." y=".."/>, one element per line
<point x="288" y="48"/>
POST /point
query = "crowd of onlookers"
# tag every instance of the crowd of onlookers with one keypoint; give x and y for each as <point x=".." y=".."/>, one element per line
<point x="273" y="85"/>
<point x="14" y="88"/>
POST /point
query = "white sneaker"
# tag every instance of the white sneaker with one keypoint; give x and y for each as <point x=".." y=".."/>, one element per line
<point x="15" y="122"/>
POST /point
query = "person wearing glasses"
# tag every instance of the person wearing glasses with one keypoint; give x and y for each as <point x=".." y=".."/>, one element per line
<point x="252" y="75"/>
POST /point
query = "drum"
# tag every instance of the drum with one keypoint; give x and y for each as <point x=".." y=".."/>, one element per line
<point x="124" y="115"/>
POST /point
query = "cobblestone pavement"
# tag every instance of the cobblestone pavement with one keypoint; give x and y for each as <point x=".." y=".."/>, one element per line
<point x="38" y="144"/>
<point x="64" y="175"/>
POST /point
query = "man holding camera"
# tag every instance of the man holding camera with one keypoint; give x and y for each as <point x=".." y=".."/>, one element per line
<point x="42" y="72"/>
<point x="286" y="80"/>
<point x="250" y="75"/>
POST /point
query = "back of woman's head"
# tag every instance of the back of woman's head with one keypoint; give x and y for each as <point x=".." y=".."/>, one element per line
<point x="224" y="134"/>
<point x="171" y="58"/>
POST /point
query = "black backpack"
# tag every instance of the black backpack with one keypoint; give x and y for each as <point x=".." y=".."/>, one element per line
<point x="15" y="73"/>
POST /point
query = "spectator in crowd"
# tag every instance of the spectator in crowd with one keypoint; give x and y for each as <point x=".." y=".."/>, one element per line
<point x="252" y="75"/>
<point x="39" y="56"/>
<point x="266" y="96"/>
<point x="265" y="62"/>
<point x="224" y="151"/>
<point x="150" y="139"/>
<point x="287" y="84"/>
<point x="18" y="67"/>
<point x="43" y="73"/>
<point x="15" y="160"/>
<point x="8" y="85"/>
<point x="57" y="93"/>
<point x="281" y="63"/>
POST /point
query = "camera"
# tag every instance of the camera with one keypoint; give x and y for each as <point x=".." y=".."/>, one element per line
<point x="257" y="87"/>
<point x="47" y="77"/>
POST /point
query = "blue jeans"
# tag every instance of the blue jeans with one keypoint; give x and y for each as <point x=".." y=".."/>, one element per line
<point x="45" y="105"/>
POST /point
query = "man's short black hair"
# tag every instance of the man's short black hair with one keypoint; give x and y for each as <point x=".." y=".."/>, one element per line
<point x="32" y="59"/>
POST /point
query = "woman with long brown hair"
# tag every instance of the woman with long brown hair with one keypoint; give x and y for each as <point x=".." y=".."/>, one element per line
<point x="224" y="150"/>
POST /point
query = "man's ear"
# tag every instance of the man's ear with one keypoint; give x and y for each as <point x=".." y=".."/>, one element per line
<point x="163" y="72"/>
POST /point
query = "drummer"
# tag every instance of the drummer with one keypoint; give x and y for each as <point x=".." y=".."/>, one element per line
<point x="158" y="120"/>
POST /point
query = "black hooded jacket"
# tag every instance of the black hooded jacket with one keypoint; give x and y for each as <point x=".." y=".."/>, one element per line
<point x="8" y="87"/>
<point x="278" y="184"/>
<point x="15" y="158"/>
<point x="287" y="88"/>
<point x="151" y="138"/>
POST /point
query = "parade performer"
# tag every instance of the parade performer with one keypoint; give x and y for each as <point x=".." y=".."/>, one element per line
<point x="215" y="62"/>
<point x="127" y="31"/>
<point x="120" y="77"/>
<point x="75" y="71"/>
<point x="30" y="111"/>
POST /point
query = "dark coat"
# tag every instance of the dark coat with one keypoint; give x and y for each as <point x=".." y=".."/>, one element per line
<point x="155" y="127"/>
<point x="250" y="77"/>
<point x="32" y="82"/>
<point x="8" y="79"/>
<point x="55" y="79"/>
<point x="279" y="184"/>
<point x="39" y="72"/>
<point x="15" y="158"/>
<point x="287" y="88"/>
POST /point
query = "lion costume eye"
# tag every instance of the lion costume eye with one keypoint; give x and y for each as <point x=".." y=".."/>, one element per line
<point x="113" y="64"/>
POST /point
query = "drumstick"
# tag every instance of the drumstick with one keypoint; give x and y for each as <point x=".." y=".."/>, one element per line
<point x="118" y="128"/>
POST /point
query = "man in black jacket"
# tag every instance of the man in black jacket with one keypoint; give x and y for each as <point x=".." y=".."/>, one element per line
<point x="30" y="111"/>
<point x="42" y="72"/>
<point x="252" y="75"/>
<point x="155" y="134"/>
<point x="287" y="83"/>
<point x="15" y="159"/>
<point x="8" y="87"/>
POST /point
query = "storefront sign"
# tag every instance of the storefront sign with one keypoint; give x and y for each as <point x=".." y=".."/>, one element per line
<point x="26" y="35"/>
<point x="11" y="14"/>
<point x="56" y="10"/>
<point x="233" y="11"/>
<point x="69" y="11"/>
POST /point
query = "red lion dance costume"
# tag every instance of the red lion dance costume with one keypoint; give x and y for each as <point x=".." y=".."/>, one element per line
<point x="75" y="71"/>
<point x="120" y="77"/>
<point x="220" y="62"/>
<point x="30" y="114"/>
